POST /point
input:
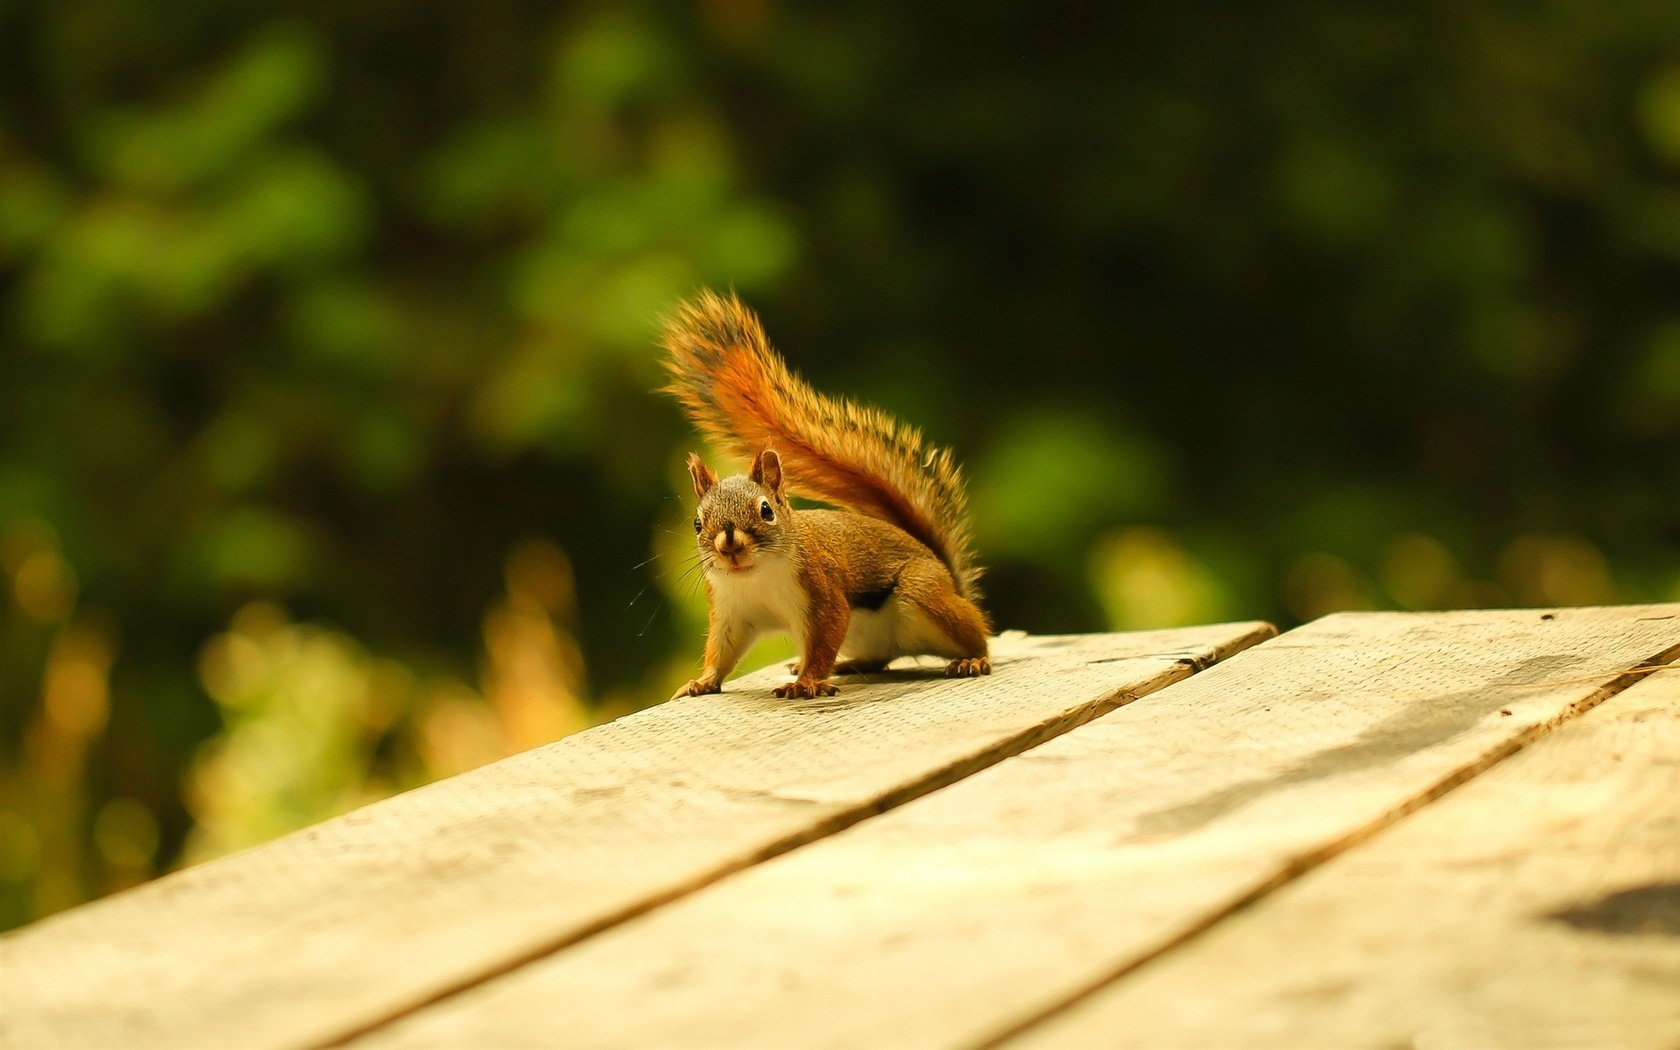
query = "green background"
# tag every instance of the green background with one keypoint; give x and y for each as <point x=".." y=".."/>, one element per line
<point x="328" y="459"/>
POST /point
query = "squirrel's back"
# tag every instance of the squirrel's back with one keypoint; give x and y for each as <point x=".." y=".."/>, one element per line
<point x="742" y="395"/>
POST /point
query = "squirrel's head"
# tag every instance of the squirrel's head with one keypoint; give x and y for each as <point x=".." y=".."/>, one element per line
<point x="743" y="519"/>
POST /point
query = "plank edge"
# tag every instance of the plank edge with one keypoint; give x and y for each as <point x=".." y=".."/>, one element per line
<point x="1307" y="860"/>
<point x="1253" y="633"/>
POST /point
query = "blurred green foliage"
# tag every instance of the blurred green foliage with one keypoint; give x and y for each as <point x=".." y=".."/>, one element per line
<point x="328" y="458"/>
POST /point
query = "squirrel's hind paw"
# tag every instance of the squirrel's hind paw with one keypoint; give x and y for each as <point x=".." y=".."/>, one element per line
<point x="805" y="689"/>
<point x="969" y="667"/>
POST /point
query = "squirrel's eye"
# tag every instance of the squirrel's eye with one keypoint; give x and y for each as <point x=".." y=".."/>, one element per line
<point x="696" y="523"/>
<point x="764" y="510"/>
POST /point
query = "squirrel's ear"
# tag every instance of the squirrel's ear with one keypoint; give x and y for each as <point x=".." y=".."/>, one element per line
<point x="767" y="471"/>
<point x="703" y="478"/>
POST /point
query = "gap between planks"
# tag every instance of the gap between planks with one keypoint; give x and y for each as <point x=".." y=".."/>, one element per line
<point x="420" y="897"/>
<point x="1012" y="894"/>
<point x="1553" y="877"/>
<point x="1183" y="667"/>
<point x="1308" y="861"/>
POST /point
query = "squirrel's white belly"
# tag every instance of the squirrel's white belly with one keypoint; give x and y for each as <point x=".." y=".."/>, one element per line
<point x="872" y="634"/>
<point x="766" y="600"/>
<point x="898" y="628"/>
<point x="769" y="600"/>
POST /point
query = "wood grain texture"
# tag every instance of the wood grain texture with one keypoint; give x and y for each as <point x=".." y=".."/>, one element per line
<point x="1537" y="906"/>
<point x="322" y="933"/>
<point x="964" y="915"/>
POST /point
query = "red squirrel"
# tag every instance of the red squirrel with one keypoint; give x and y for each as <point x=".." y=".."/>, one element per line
<point x="889" y="575"/>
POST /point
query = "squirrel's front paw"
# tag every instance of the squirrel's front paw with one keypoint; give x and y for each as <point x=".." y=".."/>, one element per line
<point x="698" y="687"/>
<point x="806" y="688"/>
<point x="971" y="667"/>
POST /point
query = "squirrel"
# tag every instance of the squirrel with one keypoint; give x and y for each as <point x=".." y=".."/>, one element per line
<point x="891" y="574"/>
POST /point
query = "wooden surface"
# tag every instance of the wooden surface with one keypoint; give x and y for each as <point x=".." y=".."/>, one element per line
<point x="327" y="932"/>
<point x="1537" y="906"/>
<point x="976" y="913"/>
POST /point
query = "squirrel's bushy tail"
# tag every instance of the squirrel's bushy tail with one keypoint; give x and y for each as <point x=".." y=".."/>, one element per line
<point x="741" y="395"/>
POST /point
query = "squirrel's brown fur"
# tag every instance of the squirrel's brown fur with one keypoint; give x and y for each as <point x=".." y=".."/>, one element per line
<point x="741" y="394"/>
<point x="888" y="575"/>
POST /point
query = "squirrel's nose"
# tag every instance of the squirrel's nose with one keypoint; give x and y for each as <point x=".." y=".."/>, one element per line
<point x="726" y="541"/>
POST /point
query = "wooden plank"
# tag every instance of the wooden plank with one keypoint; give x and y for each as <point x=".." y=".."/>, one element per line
<point x="966" y="914"/>
<point x="322" y="933"/>
<point x="1537" y="906"/>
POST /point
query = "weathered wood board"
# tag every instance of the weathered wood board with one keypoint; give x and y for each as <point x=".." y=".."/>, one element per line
<point x="1537" y="906"/>
<point x="966" y="915"/>
<point x="322" y="933"/>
